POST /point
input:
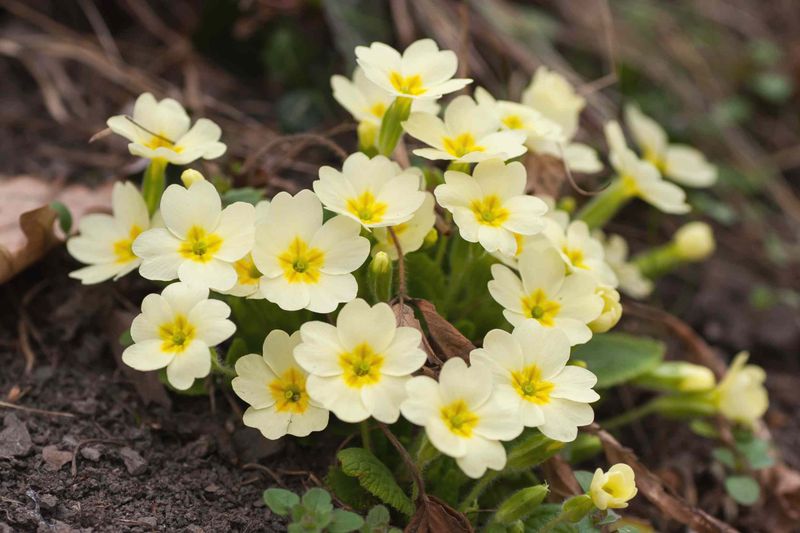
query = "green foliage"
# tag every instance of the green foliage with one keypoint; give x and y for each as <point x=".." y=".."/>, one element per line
<point x="584" y="447"/>
<point x="375" y="477"/>
<point x="378" y="521"/>
<point x="242" y="194"/>
<point x="520" y="504"/>
<point x="237" y="349"/>
<point x="544" y="514"/>
<point x="64" y="216"/>
<point x="425" y="278"/>
<point x="584" y="479"/>
<point x="743" y="489"/>
<point x="445" y="479"/>
<point x="724" y="456"/>
<point x="314" y="513"/>
<point x="755" y="450"/>
<point x="357" y="22"/>
<point x="349" y="490"/>
<point x="530" y="450"/>
<point x="618" y="357"/>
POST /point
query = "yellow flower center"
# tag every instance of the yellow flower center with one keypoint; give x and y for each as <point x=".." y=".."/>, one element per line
<point x="289" y="392"/>
<point x="161" y="141"/>
<point x="123" y="248"/>
<point x="246" y="271"/>
<point x="361" y="366"/>
<point x="459" y="419"/>
<point x="489" y="211"/>
<point x="461" y="145"/>
<point x="530" y="386"/>
<point x="536" y="305"/>
<point x="656" y="159"/>
<point x="378" y="109"/>
<point x="200" y="245"/>
<point x="300" y="263"/>
<point x="615" y="487"/>
<point x="575" y="256"/>
<point x="367" y="208"/>
<point x="407" y="84"/>
<point x="177" y="335"/>
<point x="513" y="122"/>
<point x="629" y="185"/>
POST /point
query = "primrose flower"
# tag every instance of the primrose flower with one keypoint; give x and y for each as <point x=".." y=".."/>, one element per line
<point x="368" y="102"/>
<point x="640" y="178"/>
<point x="530" y="367"/>
<point x="550" y="94"/>
<point x="248" y="277"/>
<point x="200" y="242"/>
<point x="411" y="234"/>
<point x="678" y="162"/>
<point x="741" y="395"/>
<point x="462" y="416"/>
<point x="177" y="330"/>
<point x="275" y="387"/>
<point x="612" y="310"/>
<point x="374" y="192"/>
<point x="516" y="116"/>
<point x="580" y="251"/>
<point x="631" y="280"/>
<point x="491" y="206"/>
<point x="105" y="241"/>
<point x="613" y="489"/>
<point x="547" y="294"/>
<point x="359" y="368"/>
<point x="421" y="72"/>
<point x="161" y="130"/>
<point x="468" y="134"/>
<point x="304" y="263"/>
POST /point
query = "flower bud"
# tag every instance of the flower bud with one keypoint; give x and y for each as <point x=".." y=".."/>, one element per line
<point x="367" y="135"/>
<point x="430" y="239"/>
<point x="678" y="376"/>
<point x="613" y="489"/>
<point x="577" y="507"/>
<point x="520" y="504"/>
<point x="379" y="277"/>
<point x="741" y="395"/>
<point x="190" y="176"/>
<point x="612" y="310"/>
<point x="694" y="241"/>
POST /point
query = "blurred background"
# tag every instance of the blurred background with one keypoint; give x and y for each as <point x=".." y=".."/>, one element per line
<point x="721" y="75"/>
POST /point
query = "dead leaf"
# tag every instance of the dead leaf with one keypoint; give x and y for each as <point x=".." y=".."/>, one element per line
<point x="147" y="384"/>
<point x="405" y="317"/>
<point x="561" y="479"/>
<point x="782" y="504"/>
<point x="37" y="229"/>
<point x="654" y="490"/>
<point x="546" y="174"/>
<point x="435" y="516"/>
<point x="446" y="338"/>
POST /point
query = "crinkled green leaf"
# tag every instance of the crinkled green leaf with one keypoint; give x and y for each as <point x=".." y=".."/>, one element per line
<point x="344" y="521"/>
<point x="349" y="490"/>
<point x="618" y="357"/>
<point x="280" y="501"/>
<point x="425" y="278"/>
<point x="374" y="476"/>
<point x="544" y="514"/>
<point x="743" y="489"/>
<point x="317" y="500"/>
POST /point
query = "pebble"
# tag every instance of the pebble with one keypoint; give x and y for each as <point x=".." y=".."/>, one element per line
<point x="54" y="458"/>
<point x="91" y="454"/>
<point x="134" y="463"/>
<point x="15" y="441"/>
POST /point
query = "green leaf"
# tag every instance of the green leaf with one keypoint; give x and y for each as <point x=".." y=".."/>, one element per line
<point x="584" y="479"/>
<point x="344" y="521"/>
<point x="280" y="501"/>
<point x="743" y="489"/>
<point x="724" y="456"/>
<point x="374" y="476"/>
<point x="582" y="448"/>
<point x="242" y="194"/>
<point x="703" y="428"/>
<point x="609" y="518"/>
<point x="544" y="514"/>
<point x="125" y="339"/>
<point x="64" y="216"/>
<point x="530" y="450"/>
<point x="425" y="278"/>
<point x="317" y="500"/>
<point x="618" y="357"/>
<point x="378" y="517"/>
<point x="237" y="349"/>
<point x="349" y="490"/>
<point x="520" y="504"/>
<point x="756" y="451"/>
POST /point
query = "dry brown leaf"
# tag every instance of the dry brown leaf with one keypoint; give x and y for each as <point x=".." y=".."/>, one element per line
<point x="446" y="339"/>
<point x="654" y="490"/>
<point x="561" y="479"/>
<point x="435" y="516"/>
<point x="27" y="223"/>
<point x="546" y="174"/>
<point x="405" y="317"/>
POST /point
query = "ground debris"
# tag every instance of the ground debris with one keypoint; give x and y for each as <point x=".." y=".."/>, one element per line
<point x="15" y="441"/>
<point x="54" y="458"/>
<point x="134" y="463"/>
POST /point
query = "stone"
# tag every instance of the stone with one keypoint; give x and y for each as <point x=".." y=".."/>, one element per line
<point x="54" y="458"/>
<point x="15" y="441"/>
<point x="134" y="463"/>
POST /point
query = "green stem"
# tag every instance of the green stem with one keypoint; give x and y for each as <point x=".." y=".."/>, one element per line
<point x="549" y="526"/>
<point x="631" y="415"/>
<point x="392" y="124"/>
<point x="218" y="367"/>
<point x="153" y="183"/>
<point x="366" y="437"/>
<point x="605" y="205"/>
<point x="478" y="488"/>
<point x="658" y="261"/>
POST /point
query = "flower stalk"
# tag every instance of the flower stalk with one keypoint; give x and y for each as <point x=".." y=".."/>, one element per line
<point x="602" y="208"/>
<point x="392" y="124"/>
<point x="153" y="183"/>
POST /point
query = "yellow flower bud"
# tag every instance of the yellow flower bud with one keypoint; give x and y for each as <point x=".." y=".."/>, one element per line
<point x="741" y="395"/>
<point x="367" y="134"/>
<point x="430" y="239"/>
<point x="612" y="310"/>
<point x="613" y="489"/>
<point x="694" y="241"/>
<point x="190" y="176"/>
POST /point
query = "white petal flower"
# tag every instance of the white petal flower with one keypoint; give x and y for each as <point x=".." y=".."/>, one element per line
<point x="176" y="330"/>
<point x="547" y="294"/>
<point x="529" y="365"/>
<point x="421" y="72"/>
<point x="612" y="310"/>
<point x="553" y="217"/>
<point x="200" y="240"/>
<point x="679" y="162"/>
<point x="491" y="206"/>
<point x="515" y="116"/>
<point x="463" y="416"/>
<point x="161" y="130"/>
<point x="275" y="387"/>
<point x="741" y="395"/>
<point x="613" y="489"/>
<point x="580" y="251"/>
<point x="374" y="192"/>
<point x="248" y="277"/>
<point x="468" y="134"/>
<point x="105" y="241"/>
<point x="553" y="96"/>
<point x="359" y="368"/>
<point x="631" y="280"/>
<point x="640" y="178"/>
<point x="304" y="263"/>
<point x="411" y="234"/>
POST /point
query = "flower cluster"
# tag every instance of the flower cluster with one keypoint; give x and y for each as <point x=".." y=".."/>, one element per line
<point x="554" y="273"/>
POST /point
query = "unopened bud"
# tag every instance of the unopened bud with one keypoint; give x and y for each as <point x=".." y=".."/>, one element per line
<point x="678" y="376"/>
<point x="694" y="241"/>
<point x="367" y="135"/>
<point x="612" y="310"/>
<point x="191" y="176"/>
<point x="430" y="239"/>
<point x="379" y="277"/>
<point x="519" y="504"/>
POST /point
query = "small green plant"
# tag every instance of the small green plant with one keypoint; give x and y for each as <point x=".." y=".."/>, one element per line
<point x="313" y="513"/>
